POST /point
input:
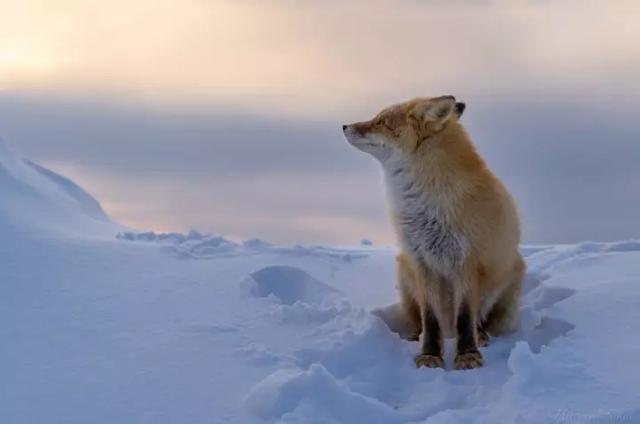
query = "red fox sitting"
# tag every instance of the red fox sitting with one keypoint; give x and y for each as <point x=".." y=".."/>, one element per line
<point x="459" y="270"/>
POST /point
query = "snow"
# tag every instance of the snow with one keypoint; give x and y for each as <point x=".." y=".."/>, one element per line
<point x="34" y="196"/>
<point x="103" y="324"/>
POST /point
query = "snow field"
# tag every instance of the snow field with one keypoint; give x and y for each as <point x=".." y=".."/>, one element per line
<point x="106" y="325"/>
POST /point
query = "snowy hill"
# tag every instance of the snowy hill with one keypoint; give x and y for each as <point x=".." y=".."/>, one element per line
<point x="170" y="328"/>
<point x="34" y="196"/>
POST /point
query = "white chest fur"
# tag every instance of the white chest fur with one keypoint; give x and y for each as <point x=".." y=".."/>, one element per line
<point x="423" y="224"/>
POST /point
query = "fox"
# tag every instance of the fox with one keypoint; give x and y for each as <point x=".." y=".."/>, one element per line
<point x="459" y="270"/>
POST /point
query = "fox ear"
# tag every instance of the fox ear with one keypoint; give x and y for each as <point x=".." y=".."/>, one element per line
<point x="434" y="113"/>
<point x="439" y="109"/>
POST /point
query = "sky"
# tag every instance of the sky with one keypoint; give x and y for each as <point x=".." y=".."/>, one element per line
<point x="225" y="115"/>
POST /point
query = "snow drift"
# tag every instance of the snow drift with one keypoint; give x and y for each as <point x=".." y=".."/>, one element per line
<point x="168" y="328"/>
<point x="33" y="196"/>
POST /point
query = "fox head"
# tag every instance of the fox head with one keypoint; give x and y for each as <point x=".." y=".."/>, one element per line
<point x="404" y="127"/>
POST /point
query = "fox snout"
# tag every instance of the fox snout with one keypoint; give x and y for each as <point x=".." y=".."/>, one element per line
<point x="359" y="135"/>
<point x="349" y="132"/>
<point x="349" y="129"/>
<point x="354" y="131"/>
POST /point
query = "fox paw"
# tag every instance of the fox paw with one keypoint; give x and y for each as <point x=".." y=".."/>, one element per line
<point x="429" y="361"/>
<point x="468" y="360"/>
<point x="483" y="338"/>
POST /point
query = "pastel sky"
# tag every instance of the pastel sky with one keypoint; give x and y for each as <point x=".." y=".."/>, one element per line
<point x="225" y="115"/>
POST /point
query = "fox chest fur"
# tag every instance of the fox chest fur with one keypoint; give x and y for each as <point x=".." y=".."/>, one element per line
<point x="422" y="221"/>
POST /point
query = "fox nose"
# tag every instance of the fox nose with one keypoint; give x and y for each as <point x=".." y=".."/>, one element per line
<point x="344" y="127"/>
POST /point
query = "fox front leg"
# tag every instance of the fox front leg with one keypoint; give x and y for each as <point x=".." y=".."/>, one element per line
<point x="432" y="341"/>
<point x="468" y="356"/>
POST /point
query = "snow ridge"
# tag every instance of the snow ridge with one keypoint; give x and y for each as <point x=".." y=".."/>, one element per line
<point x="196" y="245"/>
<point x="36" y="197"/>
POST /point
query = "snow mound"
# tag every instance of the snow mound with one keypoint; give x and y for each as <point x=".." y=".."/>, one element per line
<point x="289" y="285"/>
<point x="313" y="396"/>
<point x="36" y="197"/>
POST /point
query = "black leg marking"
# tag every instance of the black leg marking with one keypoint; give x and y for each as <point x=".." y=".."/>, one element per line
<point x="496" y="316"/>
<point x="466" y="327"/>
<point x="468" y="356"/>
<point x="432" y="342"/>
<point x="431" y="356"/>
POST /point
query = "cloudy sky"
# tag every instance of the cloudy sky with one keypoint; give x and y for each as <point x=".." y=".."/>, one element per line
<point x="225" y="115"/>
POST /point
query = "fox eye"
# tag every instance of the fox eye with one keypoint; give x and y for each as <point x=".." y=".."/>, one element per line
<point x="383" y="123"/>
